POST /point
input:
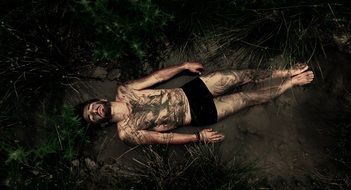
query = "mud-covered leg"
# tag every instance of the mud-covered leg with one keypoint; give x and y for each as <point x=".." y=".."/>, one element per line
<point x="232" y="103"/>
<point x="220" y="82"/>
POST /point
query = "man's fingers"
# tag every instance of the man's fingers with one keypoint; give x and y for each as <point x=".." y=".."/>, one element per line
<point x="218" y="139"/>
<point x="197" y="70"/>
<point x="217" y="136"/>
<point x="221" y="137"/>
<point x="195" y="67"/>
<point x="200" y="69"/>
<point x="214" y="133"/>
<point x="211" y="136"/>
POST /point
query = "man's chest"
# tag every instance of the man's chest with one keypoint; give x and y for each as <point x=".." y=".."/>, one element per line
<point x="151" y="108"/>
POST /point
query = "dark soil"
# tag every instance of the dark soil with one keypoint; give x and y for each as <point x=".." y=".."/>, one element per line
<point x="290" y="137"/>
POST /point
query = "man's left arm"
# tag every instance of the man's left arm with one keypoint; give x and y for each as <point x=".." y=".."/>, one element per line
<point x="164" y="74"/>
<point x="152" y="137"/>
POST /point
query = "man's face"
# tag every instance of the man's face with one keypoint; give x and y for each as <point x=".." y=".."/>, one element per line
<point x="97" y="112"/>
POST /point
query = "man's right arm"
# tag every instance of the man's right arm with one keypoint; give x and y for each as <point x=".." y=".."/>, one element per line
<point x="163" y="75"/>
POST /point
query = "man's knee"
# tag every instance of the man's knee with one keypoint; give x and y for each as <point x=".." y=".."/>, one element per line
<point x="252" y="98"/>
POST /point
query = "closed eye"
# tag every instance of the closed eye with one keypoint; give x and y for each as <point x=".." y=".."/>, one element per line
<point x="89" y="112"/>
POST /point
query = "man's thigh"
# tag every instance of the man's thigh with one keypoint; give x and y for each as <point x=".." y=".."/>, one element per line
<point x="229" y="104"/>
<point x="219" y="82"/>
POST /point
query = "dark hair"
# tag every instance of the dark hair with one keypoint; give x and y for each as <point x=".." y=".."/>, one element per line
<point x="91" y="130"/>
<point x="79" y="110"/>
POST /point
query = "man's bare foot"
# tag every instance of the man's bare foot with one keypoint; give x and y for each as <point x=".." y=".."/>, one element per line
<point x="302" y="78"/>
<point x="295" y="70"/>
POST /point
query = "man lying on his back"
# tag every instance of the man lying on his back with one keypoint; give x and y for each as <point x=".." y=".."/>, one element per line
<point x="145" y="116"/>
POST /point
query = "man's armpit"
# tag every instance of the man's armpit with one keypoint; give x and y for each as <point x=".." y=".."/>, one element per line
<point x="121" y="92"/>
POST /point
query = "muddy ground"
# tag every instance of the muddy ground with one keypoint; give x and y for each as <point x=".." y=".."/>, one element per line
<point x="288" y="137"/>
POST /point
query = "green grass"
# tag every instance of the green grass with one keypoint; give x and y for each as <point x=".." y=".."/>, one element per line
<point x="40" y="55"/>
<point x="46" y="163"/>
<point x="47" y="45"/>
<point x="255" y="31"/>
<point x="123" y="28"/>
<point x="201" y="168"/>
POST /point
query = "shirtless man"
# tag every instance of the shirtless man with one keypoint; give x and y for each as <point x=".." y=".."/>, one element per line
<point x="145" y="116"/>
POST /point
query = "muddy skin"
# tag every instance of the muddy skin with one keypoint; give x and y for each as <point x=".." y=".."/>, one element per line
<point x="220" y="82"/>
<point x="229" y="104"/>
<point x="157" y="110"/>
<point x="163" y="110"/>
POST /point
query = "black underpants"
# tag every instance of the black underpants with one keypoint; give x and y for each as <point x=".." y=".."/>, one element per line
<point x="202" y="108"/>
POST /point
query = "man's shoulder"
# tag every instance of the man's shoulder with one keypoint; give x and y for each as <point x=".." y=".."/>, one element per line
<point x="125" y="89"/>
<point x="122" y="91"/>
<point x="122" y="88"/>
<point x="126" y="86"/>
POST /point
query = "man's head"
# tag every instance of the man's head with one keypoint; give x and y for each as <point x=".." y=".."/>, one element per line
<point x="95" y="111"/>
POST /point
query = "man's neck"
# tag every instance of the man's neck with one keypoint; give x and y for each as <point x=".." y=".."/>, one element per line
<point x="119" y="111"/>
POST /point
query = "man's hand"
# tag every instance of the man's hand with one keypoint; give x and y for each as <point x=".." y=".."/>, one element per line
<point x="194" y="67"/>
<point x="210" y="136"/>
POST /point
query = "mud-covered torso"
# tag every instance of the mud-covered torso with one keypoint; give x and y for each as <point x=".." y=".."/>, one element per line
<point x="156" y="109"/>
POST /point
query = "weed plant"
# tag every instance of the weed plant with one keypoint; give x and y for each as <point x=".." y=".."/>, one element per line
<point x="124" y="28"/>
<point x="48" y="162"/>
<point x="45" y="45"/>
<point x="40" y="55"/>
<point x="201" y="168"/>
<point x="254" y="31"/>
